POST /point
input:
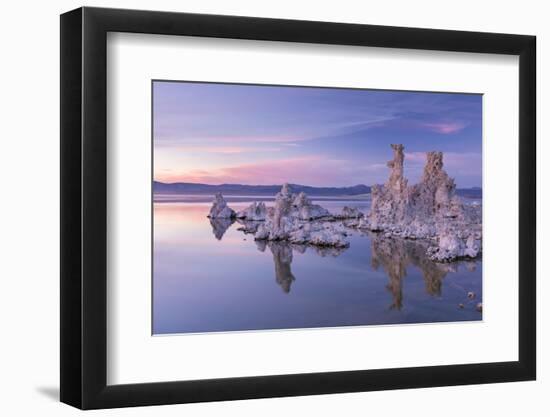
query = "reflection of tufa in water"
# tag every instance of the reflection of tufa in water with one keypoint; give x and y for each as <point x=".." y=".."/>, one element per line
<point x="220" y="226"/>
<point x="391" y="253"/>
<point x="394" y="255"/>
<point x="282" y="258"/>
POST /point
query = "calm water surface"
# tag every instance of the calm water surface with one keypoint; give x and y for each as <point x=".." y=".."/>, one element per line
<point x="210" y="277"/>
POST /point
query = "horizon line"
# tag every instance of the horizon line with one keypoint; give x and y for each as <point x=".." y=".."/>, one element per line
<point x="280" y="185"/>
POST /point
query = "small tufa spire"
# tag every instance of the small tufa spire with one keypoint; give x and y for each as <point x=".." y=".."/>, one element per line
<point x="219" y="209"/>
<point x="285" y="189"/>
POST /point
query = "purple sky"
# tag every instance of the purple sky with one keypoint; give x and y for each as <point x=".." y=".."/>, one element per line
<point x="251" y="134"/>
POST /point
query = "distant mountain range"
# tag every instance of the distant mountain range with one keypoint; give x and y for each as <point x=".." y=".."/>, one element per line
<point x="271" y="190"/>
<point x="474" y="192"/>
<point x="240" y="189"/>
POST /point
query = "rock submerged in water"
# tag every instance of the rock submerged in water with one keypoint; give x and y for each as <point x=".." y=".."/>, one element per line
<point x="296" y="219"/>
<point x="256" y="212"/>
<point x="219" y="209"/>
<point x="450" y="247"/>
<point x="248" y="227"/>
<point x="349" y="213"/>
<point x="319" y="234"/>
<point x="293" y="218"/>
<point x="304" y="209"/>
<point x="430" y="211"/>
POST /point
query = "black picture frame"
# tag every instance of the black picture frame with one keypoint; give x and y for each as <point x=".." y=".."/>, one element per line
<point x="84" y="207"/>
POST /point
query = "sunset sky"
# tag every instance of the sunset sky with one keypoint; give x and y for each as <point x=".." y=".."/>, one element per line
<point x="250" y="134"/>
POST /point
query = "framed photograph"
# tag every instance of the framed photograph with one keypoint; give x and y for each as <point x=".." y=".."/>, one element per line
<point x="258" y="207"/>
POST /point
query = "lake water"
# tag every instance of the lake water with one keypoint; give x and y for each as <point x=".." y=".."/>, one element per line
<point x="210" y="277"/>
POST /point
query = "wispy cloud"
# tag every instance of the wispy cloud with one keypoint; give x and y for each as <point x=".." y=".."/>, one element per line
<point x="217" y="139"/>
<point x="318" y="130"/>
<point x="224" y="149"/>
<point x="445" y="128"/>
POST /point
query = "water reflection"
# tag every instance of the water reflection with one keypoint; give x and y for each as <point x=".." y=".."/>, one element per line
<point x="220" y="226"/>
<point x="391" y="254"/>
<point x="282" y="258"/>
<point x="394" y="255"/>
<point x="209" y="276"/>
<point x="324" y="251"/>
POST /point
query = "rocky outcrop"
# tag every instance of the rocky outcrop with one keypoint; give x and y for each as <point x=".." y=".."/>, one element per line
<point x="450" y="246"/>
<point x="256" y="212"/>
<point x="305" y="210"/>
<point x="295" y="219"/>
<point x="319" y="234"/>
<point x="219" y="209"/>
<point x="248" y="227"/>
<point x="389" y="202"/>
<point x="349" y="213"/>
<point x="428" y="210"/>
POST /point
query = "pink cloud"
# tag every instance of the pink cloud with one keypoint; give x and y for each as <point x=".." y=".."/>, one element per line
<point x="311" y="170"/>
<point x="445" y="127"/>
